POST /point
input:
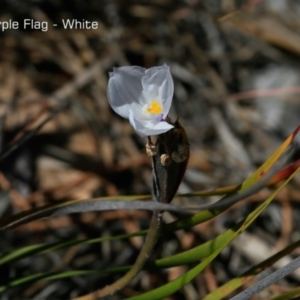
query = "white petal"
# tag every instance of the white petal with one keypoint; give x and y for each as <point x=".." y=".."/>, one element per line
<point x="147" y="128"/>
<point x="158" y="83"/>
<point x="125" y="89"/>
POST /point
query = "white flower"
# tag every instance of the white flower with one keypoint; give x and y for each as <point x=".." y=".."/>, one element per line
<point x="143" y="96"/>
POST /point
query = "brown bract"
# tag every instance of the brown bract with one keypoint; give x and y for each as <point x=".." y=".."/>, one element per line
<point x="170" y="161"/>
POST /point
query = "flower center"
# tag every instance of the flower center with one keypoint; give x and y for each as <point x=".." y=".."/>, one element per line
<point x="154" y="108"/>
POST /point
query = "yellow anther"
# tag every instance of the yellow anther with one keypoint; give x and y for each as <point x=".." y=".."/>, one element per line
<point x="155" y="108"/>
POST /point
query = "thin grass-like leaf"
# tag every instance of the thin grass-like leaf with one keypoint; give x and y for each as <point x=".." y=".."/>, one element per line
<point x="73" y="206"/>
<point x="210" y="249"/>
<point x="181" y="281"/>
<point x="236" y="283"/>
<point x="249" y="182"/>
<point x="181" y="224"/>
<point x="49" y="276"/>
<point x="99" y="204"/>
<point x="189" y="256"/>
<point x="168" y="228"/>
<point x="288" y="295"/>
<point x="42" y="248"/>
<point x="269" y="280"/>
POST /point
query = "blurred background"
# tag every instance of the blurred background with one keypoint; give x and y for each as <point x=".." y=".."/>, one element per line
<point x="236" y="70"/>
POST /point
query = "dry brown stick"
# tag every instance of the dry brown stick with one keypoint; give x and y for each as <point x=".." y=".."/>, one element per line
<point x="82" y="79"/>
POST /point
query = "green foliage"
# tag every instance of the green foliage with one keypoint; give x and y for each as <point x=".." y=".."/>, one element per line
<point x="206" y="252"/>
